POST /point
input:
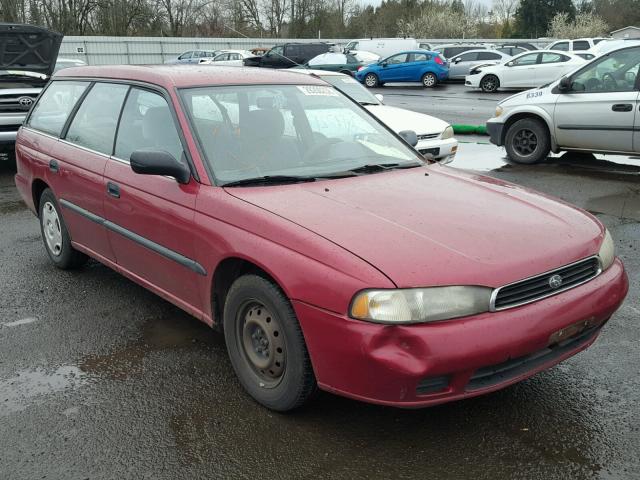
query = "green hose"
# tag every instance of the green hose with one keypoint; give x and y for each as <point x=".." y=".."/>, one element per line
<point x="469" y="129"/>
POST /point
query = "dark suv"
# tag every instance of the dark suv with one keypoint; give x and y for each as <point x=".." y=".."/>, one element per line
<point x="27" y="59"/>
<point x="288" y="55"/>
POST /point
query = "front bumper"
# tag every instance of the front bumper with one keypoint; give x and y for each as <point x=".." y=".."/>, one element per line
<point x="9" y="137"/>
<point x="472" y="81"/>
<point x="443" y="151"/>
<point x="400" y="365"/>
<point x="494" y="129"/>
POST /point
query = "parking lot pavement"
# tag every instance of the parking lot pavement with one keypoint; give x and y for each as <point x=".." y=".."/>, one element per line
<point x="101" y="379"/>
<point x="452" y="102"/>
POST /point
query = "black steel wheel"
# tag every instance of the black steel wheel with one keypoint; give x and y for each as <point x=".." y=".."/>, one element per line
<point x="527" y="141"/>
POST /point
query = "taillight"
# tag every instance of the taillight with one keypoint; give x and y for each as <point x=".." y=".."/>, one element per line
<point x="360" y="68"/>
<point x="439" y="60"/>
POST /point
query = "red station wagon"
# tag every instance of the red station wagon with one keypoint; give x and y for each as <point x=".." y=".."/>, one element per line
<point x="270" y="205"/>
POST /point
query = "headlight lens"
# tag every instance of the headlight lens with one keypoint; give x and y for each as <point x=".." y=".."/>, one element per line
<point x="448" y="133"/>
<point x="419" y="305"/>
<point x="607" y="251"/>
<point x="499" y="111"/>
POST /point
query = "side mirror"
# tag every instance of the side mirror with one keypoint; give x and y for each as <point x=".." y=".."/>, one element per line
<point x="159" y="162"/>
<point x="409" y="136"/>
<point x="509" y="64"/>
<point x="384" y="64"/>
<point x="380" y="97"/>
<point x="565" y="84"/>
<point x="456" y="60"/>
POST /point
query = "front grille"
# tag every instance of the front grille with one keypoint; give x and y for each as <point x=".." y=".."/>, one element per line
<point x="432" y="385"/>
<point x="541" y="286"/>
<point x="428" y="136"/>
<point x="490" y="376"/>
<point x="11" y="103"/>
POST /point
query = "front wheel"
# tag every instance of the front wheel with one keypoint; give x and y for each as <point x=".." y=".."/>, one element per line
<point x="527" y="141"/>
<point x="371" y="80"/>
<point x="266" y="345"/>
<point x="490" y="84"/>
<point x="429" y="80"/>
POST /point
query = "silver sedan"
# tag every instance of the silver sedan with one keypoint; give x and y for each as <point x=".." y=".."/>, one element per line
<point x="460" y="65"/>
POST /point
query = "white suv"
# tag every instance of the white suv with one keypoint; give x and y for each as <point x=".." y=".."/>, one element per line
<point x="592" y="109"/>
<point x="579" y="44"/>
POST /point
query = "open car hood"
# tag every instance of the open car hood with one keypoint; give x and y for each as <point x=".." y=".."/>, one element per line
<point x="25" y="48"/>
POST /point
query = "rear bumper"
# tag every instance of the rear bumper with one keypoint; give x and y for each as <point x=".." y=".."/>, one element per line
<point x="429" y="364"/>
<point x="494" y="129"/>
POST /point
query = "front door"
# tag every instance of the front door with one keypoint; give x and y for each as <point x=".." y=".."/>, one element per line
<point x="150" y="217"/>
<point x="521" y="71"/>
<point x="460" y="65"/>
<point x="600" y="111"/>
<point x="395" y="68"/>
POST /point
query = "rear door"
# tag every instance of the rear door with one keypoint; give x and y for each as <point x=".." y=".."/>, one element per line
<point x="75" y="168"/>
<point x="600" y="111"/>
<point x="151" y="216"/>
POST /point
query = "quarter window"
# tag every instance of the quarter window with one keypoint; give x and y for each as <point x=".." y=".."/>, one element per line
<point x="94" y="125"/>
<point x="147" y="123"/>
<point x="52" y="110"/>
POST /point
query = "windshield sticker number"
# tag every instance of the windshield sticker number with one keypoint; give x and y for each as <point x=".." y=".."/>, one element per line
<point x="317" y="90"/>
<point x="537" y="93"/>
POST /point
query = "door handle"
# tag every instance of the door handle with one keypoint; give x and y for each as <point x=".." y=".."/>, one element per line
<point x="622" y="107"/>
<point x="113" y="189"/>
<point x="53" y="166"/>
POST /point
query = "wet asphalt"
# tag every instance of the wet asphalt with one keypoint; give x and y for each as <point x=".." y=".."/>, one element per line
<point x="101" y="379"/>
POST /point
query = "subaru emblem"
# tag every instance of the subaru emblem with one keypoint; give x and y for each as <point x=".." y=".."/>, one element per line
<point x="555" y="281"/>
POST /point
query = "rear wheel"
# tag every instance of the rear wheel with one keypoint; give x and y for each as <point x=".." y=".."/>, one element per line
<point x="527" y="141"/>
<point x="490" y="84"/>
<point x="55" y="235"/>
<point x="371" y="80"/>
<point x="266" y="345"/>
<point x="429" y="80"/>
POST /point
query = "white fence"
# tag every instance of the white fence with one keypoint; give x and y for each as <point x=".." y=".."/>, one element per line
<point x="151" y="50"/>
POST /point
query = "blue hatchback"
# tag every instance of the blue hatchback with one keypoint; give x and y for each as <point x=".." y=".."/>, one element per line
<point x="413" y="66"/>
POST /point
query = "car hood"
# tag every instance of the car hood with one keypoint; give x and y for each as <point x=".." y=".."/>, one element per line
<point x="437" y="226"/>
<point x="399" y="119"/>
<point x="25" y="48"/>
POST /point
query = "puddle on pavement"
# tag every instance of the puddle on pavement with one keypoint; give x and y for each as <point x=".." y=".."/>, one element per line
<point x="32" y="386"/>
<point x="484" y="157"/>
<point x="173" y="330"/>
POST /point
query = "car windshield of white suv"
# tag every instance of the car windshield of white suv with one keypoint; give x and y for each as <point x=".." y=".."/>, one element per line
<point x="287" y="133"/>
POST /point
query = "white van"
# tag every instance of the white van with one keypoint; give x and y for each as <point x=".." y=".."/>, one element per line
<point x="383" y="47"/>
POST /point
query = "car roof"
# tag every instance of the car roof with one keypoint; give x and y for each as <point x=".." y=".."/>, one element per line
<point x="180" y="76"/>
<point x="481" y="50"/>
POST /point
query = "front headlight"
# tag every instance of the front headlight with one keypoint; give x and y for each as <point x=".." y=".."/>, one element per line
<point x="448" y="133"/>
<point x="499" y="111"/>
<point x="418" y="305"/>
<point x="607" y="251"/>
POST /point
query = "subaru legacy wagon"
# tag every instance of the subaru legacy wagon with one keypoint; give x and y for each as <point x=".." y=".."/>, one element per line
<point x="271" y="206"/>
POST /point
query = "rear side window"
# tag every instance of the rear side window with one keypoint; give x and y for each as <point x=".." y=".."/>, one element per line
<point x="553" y="58"/>
<point x="147" y="124"/>
<point x="420" y="57"/>
<point x="581" y="45"/>
<point x="52" y="110"/>
<point x="94" y="125"/>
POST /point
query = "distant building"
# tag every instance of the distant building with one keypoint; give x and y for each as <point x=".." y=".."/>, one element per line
<point x="626" y="32"/>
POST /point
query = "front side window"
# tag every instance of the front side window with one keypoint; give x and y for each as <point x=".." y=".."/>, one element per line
<point x="54" y="106"/>
<point x="562" y="46"/>
<point x="147" y="124"/>
<point x="530" y="59"/>
<point x="396" y="59"/>
<point x="94" y="125"/>
<point x="468" y="57"/>
<point x="185" y="56"/>
<point x="306" y="130"/>
<point x="275" y="52"/>
<point x="616" y="72"/>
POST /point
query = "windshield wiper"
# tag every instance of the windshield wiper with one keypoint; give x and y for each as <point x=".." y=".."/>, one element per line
<point x="269" y="180"/>
<point x="380" y="167"/>
<point x="364" y="104"/>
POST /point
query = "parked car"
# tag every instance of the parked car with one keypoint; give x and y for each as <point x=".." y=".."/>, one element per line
<point x="460" y="65"/>
<point x="26" y="64"/>
<point x="288" y="55"/>
<point x="429" y="68"/>
<point x="593" y="109"/>
<point x="383" y="47"/>
<point x="229" y="58"/>
<point x="193" y="56"/>
<point x="311" y="234"/>
<point x="579" y="44"/>
<point x="526" y="70"/>
<point x="450" y="50"/>
<point x="334" y="62"/>
<point x="68" y="63"/>
<point x="435" y="136"/>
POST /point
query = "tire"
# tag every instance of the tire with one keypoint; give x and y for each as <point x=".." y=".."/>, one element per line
<point x="55" y="235"/>
<point x="371" y="80"/>
<point x="527" y="141"/>
<point x="429" y="80"/>
<point x="490" y="84"/>
<point x="266" y="346"/>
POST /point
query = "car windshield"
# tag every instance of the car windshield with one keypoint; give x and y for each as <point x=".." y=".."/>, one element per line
<point x="289" y="130"/>
<point x="351" y="88"/>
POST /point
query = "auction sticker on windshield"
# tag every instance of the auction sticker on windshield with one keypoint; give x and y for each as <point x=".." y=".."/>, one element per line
<point x="318" y="90"/>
